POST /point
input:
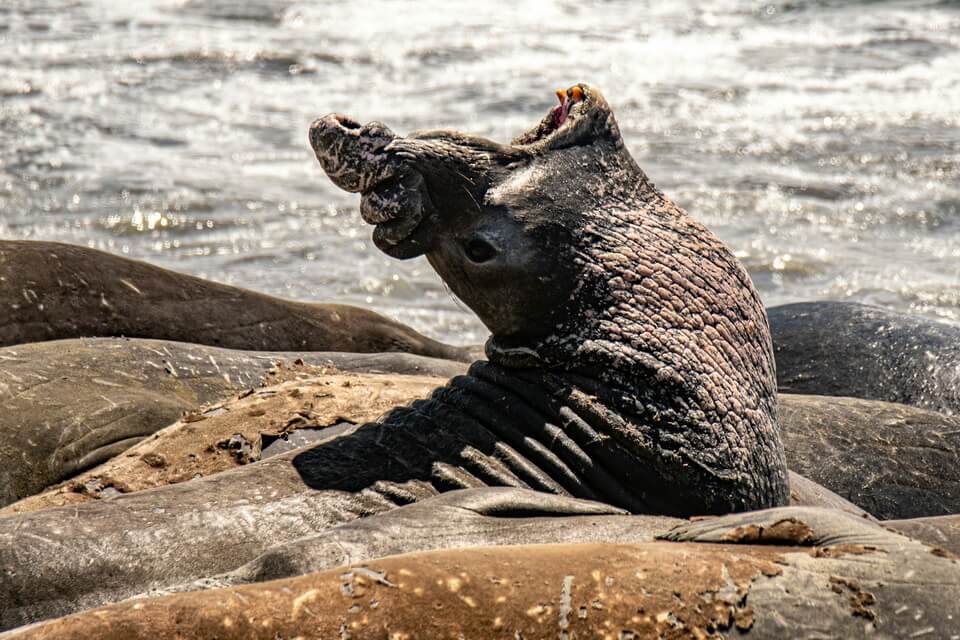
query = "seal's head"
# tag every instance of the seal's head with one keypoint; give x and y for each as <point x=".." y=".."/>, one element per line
<point x="494" y="220"/>
<point x="578" y="264"/>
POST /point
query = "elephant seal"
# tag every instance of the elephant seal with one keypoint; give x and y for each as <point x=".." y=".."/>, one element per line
<point x="850" y="349"/>
<point x="52" y="291"/>
<point x="252" y="522"/>
<point x="69" y="405"/>
<point x="490" y="516"/>
<point x="774" y="573"/>
<point x="618" y="322"/>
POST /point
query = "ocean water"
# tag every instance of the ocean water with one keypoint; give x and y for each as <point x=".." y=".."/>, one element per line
<point x="819" y="139"/>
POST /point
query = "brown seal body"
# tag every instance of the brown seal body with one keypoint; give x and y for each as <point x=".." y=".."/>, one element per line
<point x="788" y="572"/>
<point x="69" y="405"/>
<point x="893" y="460"/>
<point x="200" y="440"/>
<point x="52" y="291"/>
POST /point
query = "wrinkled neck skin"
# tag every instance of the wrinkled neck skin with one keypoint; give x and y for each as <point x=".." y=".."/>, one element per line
<point x="650" y="366"/>
<point x="672" y="341"/>
<point x="665" y="334"/>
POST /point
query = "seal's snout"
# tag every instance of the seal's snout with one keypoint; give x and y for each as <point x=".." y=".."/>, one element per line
<point x="351" y="153"/>
<point x="325" y="130"/>
<point x="330" y="130"/>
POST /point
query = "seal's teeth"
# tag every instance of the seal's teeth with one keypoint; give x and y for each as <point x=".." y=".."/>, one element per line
<point x="576" y="93"/>
<point x="561" y="95"/>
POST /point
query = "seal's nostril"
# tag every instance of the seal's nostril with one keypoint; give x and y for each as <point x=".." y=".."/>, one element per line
<point x="347" y="123"/>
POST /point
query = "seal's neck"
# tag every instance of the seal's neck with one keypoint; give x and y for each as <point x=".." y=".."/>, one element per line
<point x="667" y="335"/>
<point x="643" y="449"/>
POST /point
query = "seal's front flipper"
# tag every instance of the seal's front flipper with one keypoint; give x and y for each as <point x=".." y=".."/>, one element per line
<point x="789" y="526"/>
<point x="510" y="502"/>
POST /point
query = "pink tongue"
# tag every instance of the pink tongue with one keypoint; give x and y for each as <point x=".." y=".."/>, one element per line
<point x="560" y="113"/>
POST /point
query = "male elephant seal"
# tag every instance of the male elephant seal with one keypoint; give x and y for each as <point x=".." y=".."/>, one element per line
<point x="617" y="321"/>
<point x="630" y="364"/>
<point x="52" y="291"/>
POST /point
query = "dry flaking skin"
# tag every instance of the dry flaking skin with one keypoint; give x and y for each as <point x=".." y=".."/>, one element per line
<point x="631" y="328"/>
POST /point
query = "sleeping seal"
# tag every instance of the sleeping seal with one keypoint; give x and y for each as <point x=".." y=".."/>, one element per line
<point x="69" y="405"/>
<point x="54" y="291"/>
<point x="770" y="574"/>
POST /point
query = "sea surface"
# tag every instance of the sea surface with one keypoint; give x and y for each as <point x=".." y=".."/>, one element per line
<point x="819" y="139"/>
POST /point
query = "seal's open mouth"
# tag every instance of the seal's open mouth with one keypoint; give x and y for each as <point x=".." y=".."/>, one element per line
<point x="557" y="117"/>
<point x="567" y="99"/>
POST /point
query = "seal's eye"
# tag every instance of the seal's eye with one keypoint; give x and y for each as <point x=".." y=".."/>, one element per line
<point x="479" y="250"/>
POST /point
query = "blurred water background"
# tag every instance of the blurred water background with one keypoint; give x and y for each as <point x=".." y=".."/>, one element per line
<point x="820" y="139"/>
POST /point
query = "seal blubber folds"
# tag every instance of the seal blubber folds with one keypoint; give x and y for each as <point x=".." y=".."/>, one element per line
<point x="605" y="300"/>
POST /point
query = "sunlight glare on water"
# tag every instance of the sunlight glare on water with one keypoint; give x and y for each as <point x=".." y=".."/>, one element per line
<point x="820" y="139"/>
